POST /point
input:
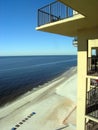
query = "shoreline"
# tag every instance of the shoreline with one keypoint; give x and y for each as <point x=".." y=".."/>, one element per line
<point x="40" y="97"/>
<point x="13" y="98"/>
<point x="35" y="88"/>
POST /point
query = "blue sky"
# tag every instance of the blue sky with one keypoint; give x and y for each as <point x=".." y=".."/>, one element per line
<point x="18" y="20"/>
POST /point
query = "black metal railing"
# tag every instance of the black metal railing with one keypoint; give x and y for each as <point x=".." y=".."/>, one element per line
<point x="91" y="125"/>
<point x="92" y="99"/>
<point x="93" y="66"/>
<point x="54" y="12"/>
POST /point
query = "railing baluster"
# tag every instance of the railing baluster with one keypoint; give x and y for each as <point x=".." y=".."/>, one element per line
<point x="50" y="12"/>
<point x="38" y="18"/>
<point x="66" y="12"/>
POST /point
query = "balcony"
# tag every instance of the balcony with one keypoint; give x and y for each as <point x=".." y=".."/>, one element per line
<point x="92" y="99"/>
<point x="60" y="19"/>
<point x="54" y="12"/>
<point x="93" y="66"/>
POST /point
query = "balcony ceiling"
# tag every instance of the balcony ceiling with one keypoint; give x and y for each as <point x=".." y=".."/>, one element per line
<point x="88" y="8"/>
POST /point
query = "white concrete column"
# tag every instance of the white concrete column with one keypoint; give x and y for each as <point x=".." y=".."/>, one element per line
<point x="82" y="72"/>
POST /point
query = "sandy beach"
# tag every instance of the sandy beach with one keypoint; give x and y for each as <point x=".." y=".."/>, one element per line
<point x="51" y="106"/>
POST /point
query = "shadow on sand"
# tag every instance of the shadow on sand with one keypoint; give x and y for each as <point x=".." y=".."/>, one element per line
<point x="63" y="127"/>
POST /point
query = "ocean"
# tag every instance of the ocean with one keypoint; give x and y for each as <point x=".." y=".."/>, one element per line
<point x="20" y="74"/>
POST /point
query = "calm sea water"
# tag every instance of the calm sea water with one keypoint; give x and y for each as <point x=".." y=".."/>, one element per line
<point x="22" y="73"/>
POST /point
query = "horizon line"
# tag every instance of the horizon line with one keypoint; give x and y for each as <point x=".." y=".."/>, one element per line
<point x="40" y="55"/>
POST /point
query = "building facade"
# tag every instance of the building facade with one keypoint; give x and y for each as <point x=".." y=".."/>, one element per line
<point x="78" y="19"/>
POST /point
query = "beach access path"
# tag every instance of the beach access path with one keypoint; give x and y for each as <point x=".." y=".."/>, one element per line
<point x="51" y="106"/>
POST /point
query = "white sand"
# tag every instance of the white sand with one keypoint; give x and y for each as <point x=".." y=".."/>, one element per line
<point x="55" y="107"/>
